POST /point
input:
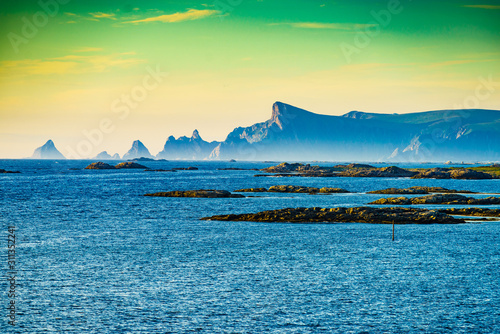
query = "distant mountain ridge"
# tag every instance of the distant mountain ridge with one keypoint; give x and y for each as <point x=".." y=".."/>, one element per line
<point x="297" y="134"/>
<point x="194" y="148"/>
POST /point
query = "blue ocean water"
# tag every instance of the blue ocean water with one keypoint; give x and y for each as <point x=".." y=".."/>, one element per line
<point x="95" y="256"/>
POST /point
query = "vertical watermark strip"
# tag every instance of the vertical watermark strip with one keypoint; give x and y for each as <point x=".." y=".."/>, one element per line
<point x="11" y="275"/>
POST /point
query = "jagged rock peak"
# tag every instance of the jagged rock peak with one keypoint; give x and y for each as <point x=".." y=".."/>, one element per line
<point x="138" y="150"/>
<point x="196" y="135"/>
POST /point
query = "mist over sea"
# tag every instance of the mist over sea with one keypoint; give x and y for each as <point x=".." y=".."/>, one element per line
<point x="95" y="256"/>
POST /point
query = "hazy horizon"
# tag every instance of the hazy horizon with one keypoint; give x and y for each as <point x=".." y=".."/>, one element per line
<point x="147" y="70"/>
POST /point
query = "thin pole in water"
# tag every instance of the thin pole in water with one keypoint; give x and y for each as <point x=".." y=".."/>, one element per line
<point x="392" y="231"/>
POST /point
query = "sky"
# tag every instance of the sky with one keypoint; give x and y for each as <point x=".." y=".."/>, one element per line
<point x="96" y="75"/>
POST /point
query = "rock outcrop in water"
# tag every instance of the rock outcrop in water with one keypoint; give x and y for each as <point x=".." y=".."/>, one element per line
<point x="445" y="173"/>
<point x="419" y="191"/>
<point x="358" y="170"/>
<point x="99" y="165"/>
<point x="472" y="212"/>
<point x="345" y="215"/>
<point x="438" y="199"/>
<point x="296" y="189"/>
<point x="3" y="171"/>
<point x="47" y="151"/>
<point x="130" y="164"/>
<point x="202" y="193"/>
<point x="391" y="171"/>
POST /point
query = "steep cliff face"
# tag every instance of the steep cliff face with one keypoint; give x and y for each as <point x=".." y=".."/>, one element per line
<point x="138" y="150"/>
<point x="47" y="151"/>
<point x="296" y="134"/>
<point x="194" y="148"/>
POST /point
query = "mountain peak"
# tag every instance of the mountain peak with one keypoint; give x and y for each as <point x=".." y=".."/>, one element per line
<point x="138" y="150"/>
<point x="196" y="135"/>
<point x="283" y="113"/>
<point x="47" y="151"/>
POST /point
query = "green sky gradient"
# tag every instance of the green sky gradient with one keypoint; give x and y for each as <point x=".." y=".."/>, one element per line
<point x="227" y="68"/>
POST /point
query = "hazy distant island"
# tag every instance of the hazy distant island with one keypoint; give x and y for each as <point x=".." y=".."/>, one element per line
<point x="296" y="134"/>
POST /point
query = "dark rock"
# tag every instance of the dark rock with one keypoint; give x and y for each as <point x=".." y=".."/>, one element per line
<point x="443" y="190"/>
<point x="292" y="189"/>
<point x="359" y="166"/>
<point x="445" y="173"/>
<point x="439" y="199"/>
<point x="397" y="191"/>
<point x="99" y="165"/>
<point x="469" y="174"/>
<point x="3" y="171"/>
<point x="419" y="191"/>
<point x="202" y="193"/>
<point x="278" y="175"/>
<point x="391" y="171"/>
<point x="433" y="173"/>
<point x="129" y="165"/>
<point x="251" y="190"/>
<point x="472" y="212"/>
<point x="328" y="190"/>
<point x="142" y="159"/>
<point x="347" y="215"/>
<point x="185" y="168"/>
<point x="233" y="168"/>
<point x="295" y="189"/>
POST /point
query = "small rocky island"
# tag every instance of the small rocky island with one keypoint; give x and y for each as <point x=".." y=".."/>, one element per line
<point x="123" y="165"/>
<point x="135" y="165"/>
<point x="295" y="189"/>
<point x="201" y="193"/>
<point x="369" y="215"/>
<point x="419" y="191"/>
<point x="3" y="171"/>
<point x="361" y="170"/>
<point x="453" y="199"/>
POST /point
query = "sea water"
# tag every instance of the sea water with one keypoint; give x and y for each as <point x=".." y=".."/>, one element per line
<point x="95" y="256"/>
